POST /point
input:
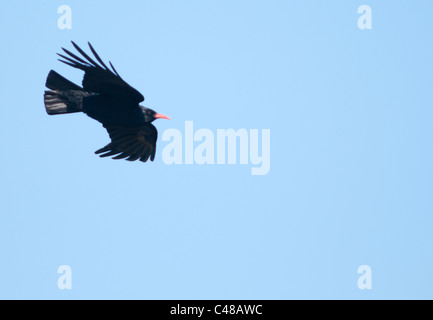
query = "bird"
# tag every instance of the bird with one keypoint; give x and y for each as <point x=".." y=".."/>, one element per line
<point x="107" y="98"/>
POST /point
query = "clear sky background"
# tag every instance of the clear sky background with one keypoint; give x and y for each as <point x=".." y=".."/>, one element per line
<point x="350" y="113"/>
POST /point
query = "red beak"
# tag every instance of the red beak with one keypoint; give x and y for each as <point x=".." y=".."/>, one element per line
<point x="161" y="116"/>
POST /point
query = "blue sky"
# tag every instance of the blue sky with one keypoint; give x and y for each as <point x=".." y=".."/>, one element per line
<point x="351" y="161"/>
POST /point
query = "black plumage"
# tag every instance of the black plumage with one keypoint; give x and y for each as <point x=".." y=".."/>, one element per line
<point x="107" y="98"/>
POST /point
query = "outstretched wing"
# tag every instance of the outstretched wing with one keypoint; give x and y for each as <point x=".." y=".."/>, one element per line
<point x="99" y="78"/>
<point x="137" y="143"/>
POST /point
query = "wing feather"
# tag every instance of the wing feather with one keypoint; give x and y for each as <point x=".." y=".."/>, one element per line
<point x="98" y="78"/>
<point x="137" y="143"/>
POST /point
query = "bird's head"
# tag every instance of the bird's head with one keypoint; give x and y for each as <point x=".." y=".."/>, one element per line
<point x="151" y="115"/>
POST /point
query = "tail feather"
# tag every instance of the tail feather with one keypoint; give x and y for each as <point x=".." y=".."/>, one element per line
<point x="56" y="82"/>
<point x="64" y="96"/>
<point x="56" y="102"/>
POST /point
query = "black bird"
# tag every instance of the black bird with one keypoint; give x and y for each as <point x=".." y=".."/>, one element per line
<point x="107" y="98"/>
